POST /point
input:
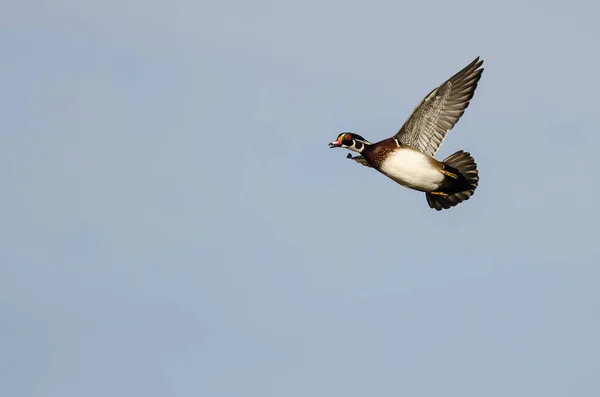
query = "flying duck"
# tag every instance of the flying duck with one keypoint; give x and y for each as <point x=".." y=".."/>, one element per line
<point x="408" y="157"/>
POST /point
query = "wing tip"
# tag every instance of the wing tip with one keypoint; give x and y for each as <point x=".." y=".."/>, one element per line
<point x="476" y="64"/>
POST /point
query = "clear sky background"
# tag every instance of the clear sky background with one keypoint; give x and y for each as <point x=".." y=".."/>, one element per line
<point x="172" y="222"/>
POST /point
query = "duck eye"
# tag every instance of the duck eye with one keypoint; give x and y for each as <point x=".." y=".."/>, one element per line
<point x="348" y="137"/>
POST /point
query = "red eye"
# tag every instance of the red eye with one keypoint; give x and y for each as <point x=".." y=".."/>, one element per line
<point x="348" y="137"/>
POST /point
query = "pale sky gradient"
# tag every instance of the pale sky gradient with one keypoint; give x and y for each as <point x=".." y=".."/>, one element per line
<point x="174" y="224"/>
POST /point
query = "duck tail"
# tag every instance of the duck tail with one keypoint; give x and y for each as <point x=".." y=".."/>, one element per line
<point x="459" y="189"/>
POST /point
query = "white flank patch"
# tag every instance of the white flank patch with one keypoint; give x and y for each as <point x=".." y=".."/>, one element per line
<point x="412" y="169"/>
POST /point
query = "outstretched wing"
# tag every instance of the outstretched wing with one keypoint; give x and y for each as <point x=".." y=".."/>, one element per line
<point x="358" y="159"/>
<point x="441" y="109"/>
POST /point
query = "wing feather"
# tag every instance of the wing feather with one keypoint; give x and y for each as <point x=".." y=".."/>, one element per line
<point x="427" y="126"/>
<point x="359" y="160"/>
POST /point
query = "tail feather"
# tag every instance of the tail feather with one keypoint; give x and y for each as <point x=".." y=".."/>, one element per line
<point x="458" y="190"/>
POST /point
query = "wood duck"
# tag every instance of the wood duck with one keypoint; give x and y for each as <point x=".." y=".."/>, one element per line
<point x="407" y="157"/>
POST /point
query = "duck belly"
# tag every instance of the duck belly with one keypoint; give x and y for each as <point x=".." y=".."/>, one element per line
<point x="413" y="169"/>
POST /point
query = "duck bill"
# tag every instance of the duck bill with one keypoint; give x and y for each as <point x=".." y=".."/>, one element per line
<point x="335" y="144"/>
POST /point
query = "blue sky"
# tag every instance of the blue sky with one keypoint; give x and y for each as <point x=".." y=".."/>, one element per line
<point x="173" y="222"/>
